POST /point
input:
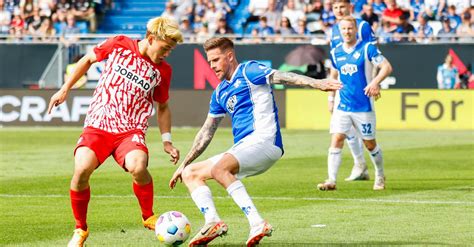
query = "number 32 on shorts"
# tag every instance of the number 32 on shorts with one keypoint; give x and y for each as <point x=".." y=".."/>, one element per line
<point x="367" y="129"/>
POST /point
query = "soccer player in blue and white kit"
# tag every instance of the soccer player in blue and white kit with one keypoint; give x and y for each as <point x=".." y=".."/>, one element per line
<point x="245" y="94"/>
<point x="354" y="61"/>
<point x="341" y="9"/>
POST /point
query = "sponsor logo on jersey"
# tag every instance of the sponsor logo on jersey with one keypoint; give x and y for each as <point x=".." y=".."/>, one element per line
<point x="356" y="55"/>
<point x="341" y="59"/>
<point x="349" y="69"/>
<point x="231" y="102"/>
<point x="237" y="83"/>
<point x="132" y="77"/>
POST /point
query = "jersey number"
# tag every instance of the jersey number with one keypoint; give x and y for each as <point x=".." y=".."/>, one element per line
<point x="138" y="138"/>
<point x="366" y="129"/>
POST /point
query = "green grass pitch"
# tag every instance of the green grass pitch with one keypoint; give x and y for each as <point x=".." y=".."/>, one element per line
<point x="429" y="198"/>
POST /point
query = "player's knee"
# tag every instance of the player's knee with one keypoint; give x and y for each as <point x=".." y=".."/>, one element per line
<point x="136" y="164"/>
<point x="218" y="172"/>
<point x="370" y="144"/>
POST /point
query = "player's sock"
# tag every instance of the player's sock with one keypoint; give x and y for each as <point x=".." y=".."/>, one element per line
<point x="202" y="196"/>
<point x="79" y="203"/>
<point x="238" y="192"/>
<point x="357" y="149"/>
<point x="144" y="194"/>
<point x="334" y="162"/>
<point x="377" y="160"/>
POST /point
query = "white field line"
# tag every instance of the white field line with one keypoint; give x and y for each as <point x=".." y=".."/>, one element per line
<point x="394" y="201"/>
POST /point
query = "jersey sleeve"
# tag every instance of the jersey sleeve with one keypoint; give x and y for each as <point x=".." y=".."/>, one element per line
<point x="366" y="32"/>
<point x="102" y="50"/>
<point x="333" y="58"/>
<point x="215" y="109"/>
<point x="257" y="73"/>
<point x="161" y="92"/>
<point x="374" y="55"/>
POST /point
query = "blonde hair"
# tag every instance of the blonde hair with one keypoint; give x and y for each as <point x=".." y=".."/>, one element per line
<point x="163" y="28"/>
<point x="349" y="19"/>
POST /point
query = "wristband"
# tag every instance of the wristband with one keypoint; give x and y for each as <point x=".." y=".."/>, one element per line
<point x="166" y="137"/>
<point x="331" y="98"/>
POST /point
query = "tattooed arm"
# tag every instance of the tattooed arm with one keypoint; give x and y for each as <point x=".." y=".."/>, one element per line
<point x="201" y="141"/>
<point x="289" y="78"/>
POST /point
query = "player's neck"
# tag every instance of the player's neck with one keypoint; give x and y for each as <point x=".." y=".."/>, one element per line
<point x="234" y="66"/>
<point x="350" y="45"/>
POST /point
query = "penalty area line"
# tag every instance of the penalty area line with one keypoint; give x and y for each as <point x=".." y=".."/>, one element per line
<point x="367" y="200"/>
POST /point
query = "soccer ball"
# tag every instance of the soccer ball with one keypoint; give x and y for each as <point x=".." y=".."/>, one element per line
<point x="172" y="228"/>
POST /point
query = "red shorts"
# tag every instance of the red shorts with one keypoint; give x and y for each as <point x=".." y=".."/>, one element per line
<point x="105" y="144"/>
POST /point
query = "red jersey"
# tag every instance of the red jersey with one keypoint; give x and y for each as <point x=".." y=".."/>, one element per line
<point x="123" y="98"/>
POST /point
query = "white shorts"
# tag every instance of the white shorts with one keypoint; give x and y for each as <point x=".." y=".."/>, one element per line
<point x="255" y="155"/>
<point x="363" y="123"/>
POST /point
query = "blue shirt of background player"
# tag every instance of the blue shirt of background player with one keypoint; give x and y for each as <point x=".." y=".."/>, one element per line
<point x="248" y="99"/>
<point x="364" y="33"/>
<point x="355" y="72"/>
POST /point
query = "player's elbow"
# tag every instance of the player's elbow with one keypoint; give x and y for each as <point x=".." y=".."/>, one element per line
<point x="388" y="67"/>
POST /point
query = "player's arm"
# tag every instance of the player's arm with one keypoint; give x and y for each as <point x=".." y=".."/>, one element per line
<point x="201" y="141"/>
<point x="385" y="69"/>
<point x="164" y="123"/>
<point x="290" y="78"/>
<point x="81" y="68"/>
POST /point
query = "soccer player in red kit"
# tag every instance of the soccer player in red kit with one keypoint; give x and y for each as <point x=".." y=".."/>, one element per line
<point x="135" y="75"/>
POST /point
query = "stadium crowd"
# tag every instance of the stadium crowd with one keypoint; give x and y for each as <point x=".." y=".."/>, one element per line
<point x="44" y="20"/>
<point x="262" y="20"/>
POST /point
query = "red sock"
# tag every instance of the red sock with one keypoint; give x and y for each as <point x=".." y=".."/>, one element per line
<point x="79" y="202"/>
<point x="144" y="195"/>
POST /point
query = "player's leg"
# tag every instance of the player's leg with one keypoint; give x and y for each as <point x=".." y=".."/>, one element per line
<point x="251" y="157"/>
<point x="194" y="177"/>
<point x="132" y="154"/>
<point x="340" y="126"/>
<point x="85" y="164"/>
<point x="356" y="146"/>
<point x="365" y="123"/>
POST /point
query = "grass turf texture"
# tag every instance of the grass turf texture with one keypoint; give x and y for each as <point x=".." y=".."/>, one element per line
<point x="428" y="200"/>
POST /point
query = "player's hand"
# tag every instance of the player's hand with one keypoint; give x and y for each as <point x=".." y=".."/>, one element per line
<point x="176" y="176"/>
<point x="373" y="89"/>
<point x="57" y="98"/>
<point x="172" y="151"/>
<point x="328" y="85"/>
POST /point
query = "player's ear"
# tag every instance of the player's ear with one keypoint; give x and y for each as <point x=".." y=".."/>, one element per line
<point x="150" y="39"/>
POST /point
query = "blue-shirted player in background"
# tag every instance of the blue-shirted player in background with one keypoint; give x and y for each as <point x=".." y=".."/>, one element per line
<point x="245" y="94"/>
<point x="354" y="61"/>
<point x="341" y="9"/>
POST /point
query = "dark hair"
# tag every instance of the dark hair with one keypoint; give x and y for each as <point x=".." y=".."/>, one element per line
<point x="340" y="1"/>
<point x="219" y="42"/>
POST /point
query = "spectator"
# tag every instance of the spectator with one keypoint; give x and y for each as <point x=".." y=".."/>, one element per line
<point x="45" y="8"/>
<point x="222" y="7"/>
<point x="26" y="8"/>
<point x="465" y="30"/>
<point x="263" y="29"/>
<point x="417" y="7"/>
<point x="199" y="9"/>
<point x="68" y="33"/>
<point x="446" y="33"/>
<point x="17" y="25"/>
<point x="185" y="26"/>
<point x="11" y="5"/>
<point x="183" y="7"/>
<point x="459" y="5"/>
<point x="84" y="11"/>
<point x="292" y="13"/>
<point x="223" y="28"/>
<point x="285" y="27"/>
<point x="256" y="9"/>
<point x="454" y="19"/>
<point x="392" y="13"/>
<point x="379" y="7"/>
<point x="314" y="10"/>
<point x="405" y="32"/>
<point x="5" y="18"/>
<point x="358" y="6"/>
<point x="447" y="75"/>
<point x="370" y="17"/>
<point x="46" y="31"/>
<point x="432" y="9"/>
<point x="424" y="32"/>
<point x="328" y="17"/>
<point x="33" y="22"/>
<point x="212" y="16"/>
<point x="170" y="12"/>
<point x="385" y="33"/>
<point x="301" y="28"/>
<point x="203" y="33"/>
<point x="272" y="14"/>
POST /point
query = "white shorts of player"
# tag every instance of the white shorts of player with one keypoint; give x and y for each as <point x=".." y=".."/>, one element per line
<point x="254" y="154"/>
<point x="363" y="123"/>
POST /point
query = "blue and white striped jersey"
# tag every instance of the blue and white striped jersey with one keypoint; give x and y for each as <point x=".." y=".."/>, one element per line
<point x="248" y="99"/>
<point x="355" y="72"/>
<point x="364" y="33"/>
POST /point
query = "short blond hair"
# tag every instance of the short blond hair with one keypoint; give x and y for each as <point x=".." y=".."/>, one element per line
<point x="349" y="19"/>
<point x="163" y="28"/>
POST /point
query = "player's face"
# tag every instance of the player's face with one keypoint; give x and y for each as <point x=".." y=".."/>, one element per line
<point x="220" y="61"/>
<point x="348" y="31"/>
<point x="158" y="49"/>
<point x="341" y="9"/>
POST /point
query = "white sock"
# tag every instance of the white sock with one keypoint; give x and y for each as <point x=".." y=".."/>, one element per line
<point x="377" y="160"/>
<point x="357" y="149"/>
<point x="202" y="196"/>
<point x="334" y="162"/>
<point x="238" y="192"/>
